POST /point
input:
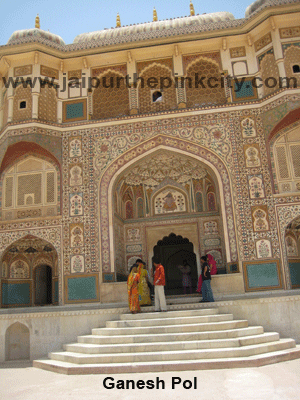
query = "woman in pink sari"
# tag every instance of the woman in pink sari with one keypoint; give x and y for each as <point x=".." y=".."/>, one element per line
<point x="213" y="270"/>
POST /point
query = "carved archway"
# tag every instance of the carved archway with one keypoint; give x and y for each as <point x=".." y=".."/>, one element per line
<point x="178" y="146"/>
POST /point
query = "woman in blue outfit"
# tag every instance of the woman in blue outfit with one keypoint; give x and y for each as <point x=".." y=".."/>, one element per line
<point x="207" y="294"/>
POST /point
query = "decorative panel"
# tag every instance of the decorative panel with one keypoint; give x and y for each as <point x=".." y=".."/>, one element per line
<point x="244" y="90"/>
<point x="75" y="110"/>
<point x="82" y="288"/>
<point x="262" y="275"/>
<point x="16" y="294"/>
<point x="289" y="32"/>
<point x="295" y="273"/>
<point x="49" y="72"/>
<point x="262" y="42"/>
<point x="23" y="70"/>
<point x="237" y="52"/>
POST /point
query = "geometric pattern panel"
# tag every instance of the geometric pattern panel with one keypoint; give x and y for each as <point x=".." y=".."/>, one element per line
<point x="82" y="288"/>
<point x="75" y="110"/>
<point x="295" y="273"/>
<point x="16" y="294"/>
<point x="262" y="275"/>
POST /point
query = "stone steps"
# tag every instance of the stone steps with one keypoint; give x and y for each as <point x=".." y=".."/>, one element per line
<point x="170" y="346"/>
<point x="231" y="333"/>
<point x="173" y="340"/>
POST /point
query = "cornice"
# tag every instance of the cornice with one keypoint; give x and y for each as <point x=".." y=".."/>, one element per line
<point x="238" y="27"/>
<point x="57" y="129"/>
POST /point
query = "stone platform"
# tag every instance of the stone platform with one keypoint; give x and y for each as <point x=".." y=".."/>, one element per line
<point x="190" y="339"/>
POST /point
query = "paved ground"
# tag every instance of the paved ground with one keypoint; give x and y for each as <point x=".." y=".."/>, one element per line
<point x="19" y="381"/>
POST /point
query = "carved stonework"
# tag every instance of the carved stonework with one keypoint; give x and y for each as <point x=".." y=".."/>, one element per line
<point x="262" y="42"/>
<point x="23" y="71"/>
<point x="236" y="52"/>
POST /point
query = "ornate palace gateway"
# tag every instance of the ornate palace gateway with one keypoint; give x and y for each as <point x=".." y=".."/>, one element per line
<point x="178" y="137"/>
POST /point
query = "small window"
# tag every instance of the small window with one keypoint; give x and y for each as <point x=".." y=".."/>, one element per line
<point x="157" y="96"/>
<point x="296" y="69"/>
<point x="22" y="104"/>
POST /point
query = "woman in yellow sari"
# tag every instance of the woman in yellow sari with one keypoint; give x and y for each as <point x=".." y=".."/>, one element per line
<point x="132" y="288"/>
<point x="144" y="291"/>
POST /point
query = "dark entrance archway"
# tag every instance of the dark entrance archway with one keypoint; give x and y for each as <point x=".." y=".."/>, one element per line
<point x="43" y="285"/>
<point x="172" y="251"/>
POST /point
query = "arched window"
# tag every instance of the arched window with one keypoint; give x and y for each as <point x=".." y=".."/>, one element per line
<point x="140" y="207"/>
<point x="30" y="189"/>
<point x="129" y="210"/>
<point x="199" y="202"/>
<point x="287" y="161"/>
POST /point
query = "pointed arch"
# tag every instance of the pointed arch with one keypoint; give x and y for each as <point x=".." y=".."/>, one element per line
<point x="146" y="148"/>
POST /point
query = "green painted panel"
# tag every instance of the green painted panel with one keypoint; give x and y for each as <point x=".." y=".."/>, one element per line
<point x="244" y="89"/>
<point x="55" y="297"/>
<point x="295" y="272"/>
<point x="74" y="110"/>
<point x="15" y="293"/>
<point x="82" y="288"/>
<point x="261" y="275"/>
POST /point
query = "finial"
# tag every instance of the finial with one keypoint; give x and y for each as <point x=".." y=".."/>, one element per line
<point x="118" y="21"/>
<point x="154" y="15"/>
<point x="192" y="10"/>
<point x="37" y="22"/>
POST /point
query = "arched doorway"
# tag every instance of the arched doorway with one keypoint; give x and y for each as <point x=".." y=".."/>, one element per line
<point x="29" y="273"/>
<point x="292" y="243"/>
<point x="172" y="251"/>
<point x="43" y="285"/>
<point x="17" y="342"/>
<point x="161" y="193"/>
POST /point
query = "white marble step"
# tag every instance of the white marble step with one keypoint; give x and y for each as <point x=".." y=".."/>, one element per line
<point x="179" y="365"/>
<point x="152" y="330"/>
<point x="169" y="314"/>
<point x="169" y="321"/>
<point x="167" y="337"/>
<point x="244" y="351"/>
<point x="88" y="348"/>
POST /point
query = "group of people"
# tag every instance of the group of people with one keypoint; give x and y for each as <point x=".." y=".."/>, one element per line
<point x="138" y="287"/>
<point x="138" y="283"/>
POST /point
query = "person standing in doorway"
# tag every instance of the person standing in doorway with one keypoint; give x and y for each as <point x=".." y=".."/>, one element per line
<point x="159" y="286"/>
<point x="207" y="294"/>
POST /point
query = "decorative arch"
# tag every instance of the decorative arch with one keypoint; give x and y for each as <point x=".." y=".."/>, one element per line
<point x="51" y="205"/>
<point x="155" y="64"/>
<point x="285" y="215"/>
<point x="48" y="104"/>
<point x="198" y="96"/>
<point x="138" y="152"/>
<point x="286" y="126"/>
<point x="23" y="149"/>
<point x="51" y="234"/>
<point x="200" y="58"/>
<point x="17" y="342"/>
<point x="113" y="101"/>
<point x="166" y="95"/>
<point x="22" y="94"/>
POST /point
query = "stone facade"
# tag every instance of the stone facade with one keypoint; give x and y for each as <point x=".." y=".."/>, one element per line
<point x="123" y="153"/>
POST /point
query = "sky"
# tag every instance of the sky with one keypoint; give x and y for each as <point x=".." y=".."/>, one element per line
<point x="70" y="18"/>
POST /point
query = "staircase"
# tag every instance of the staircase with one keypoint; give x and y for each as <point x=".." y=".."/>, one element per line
<point x="171" y="341"/>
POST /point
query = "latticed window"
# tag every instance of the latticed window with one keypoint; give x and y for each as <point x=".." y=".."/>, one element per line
<point x="30" y="184"/>
<point x="287" y="161"/>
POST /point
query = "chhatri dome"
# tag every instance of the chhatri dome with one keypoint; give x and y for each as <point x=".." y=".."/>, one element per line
<point x="36" y="32"/>
<point x="169" y="26"/>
